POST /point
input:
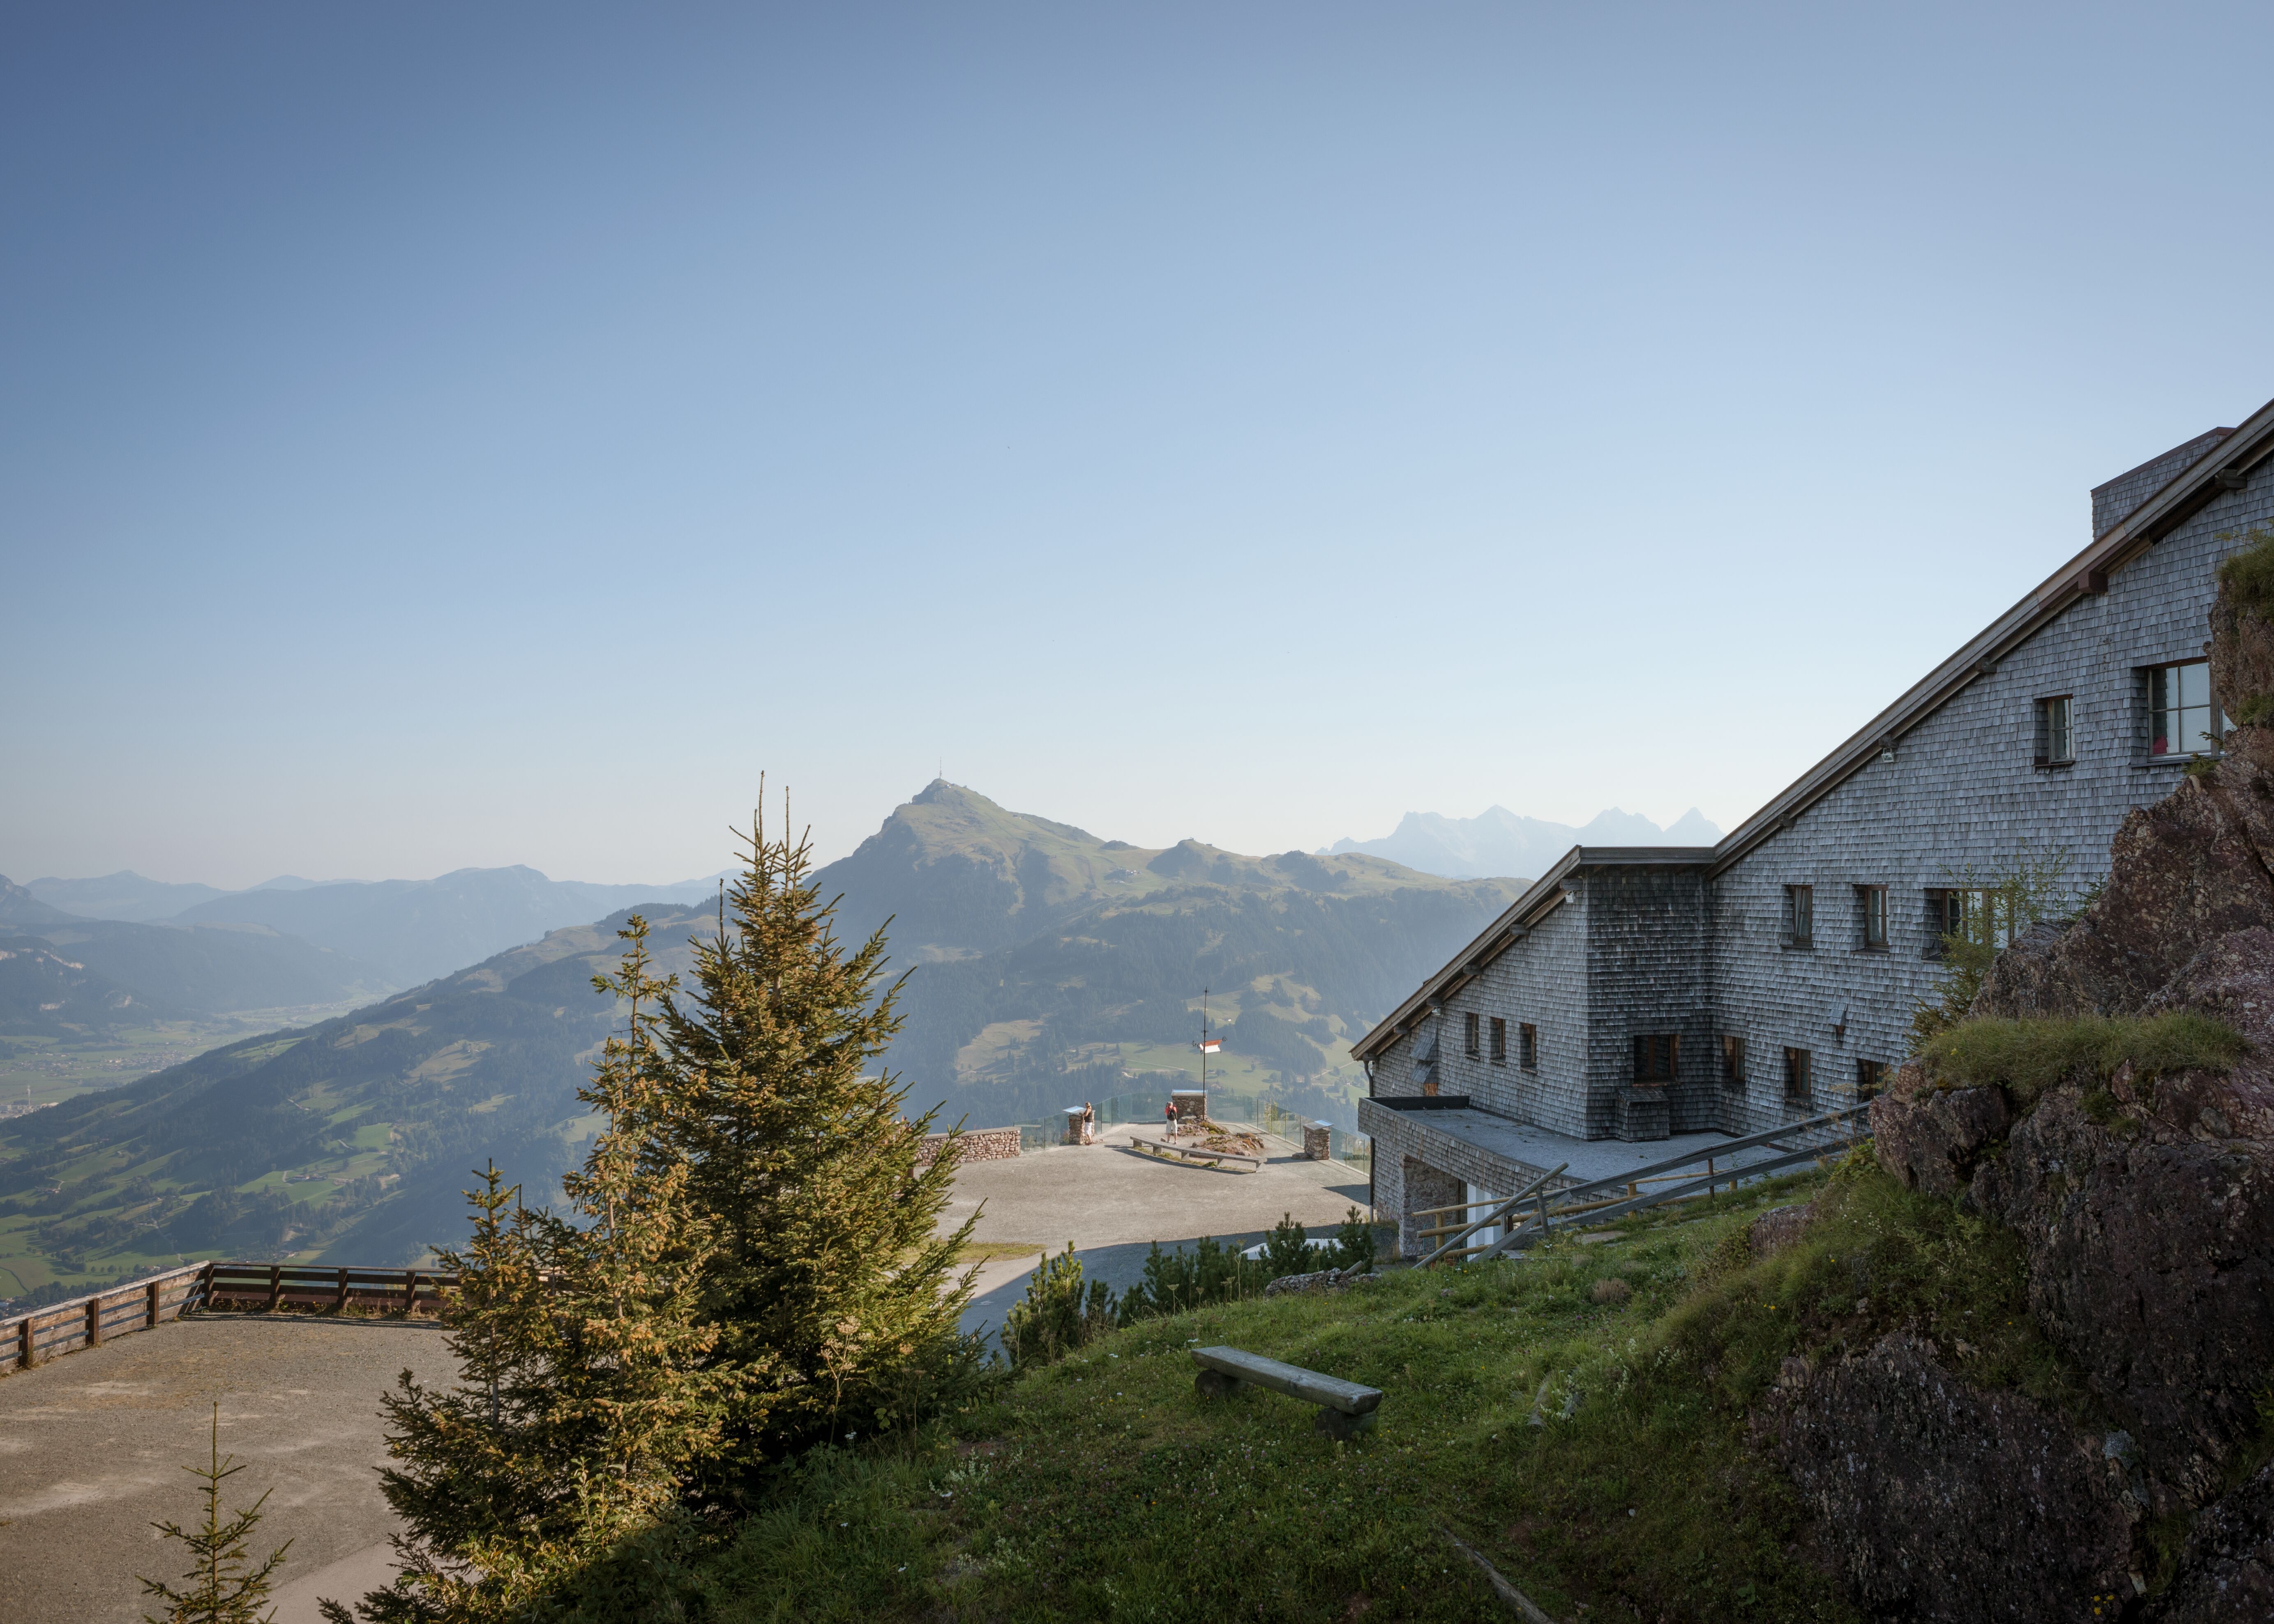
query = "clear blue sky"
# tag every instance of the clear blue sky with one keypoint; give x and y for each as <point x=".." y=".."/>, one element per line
<point x="445" y="435"/>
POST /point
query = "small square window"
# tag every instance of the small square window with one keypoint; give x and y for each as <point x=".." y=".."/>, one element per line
<point x="2182" y="719"/>
<point x="1733" y="1061"/>
<point x="2056" y="745"/>
<point x="1799" y="1089"/>
<point x="1469" y="1045"/>
<point x="1527" y="1046"/>
<point x="1799" y="916"/>
<point x="1499" y="1041"/>
<point x="1871" y="907"/>
<point x="1871" y="1077"/>
<point x="1657" y="1057"/>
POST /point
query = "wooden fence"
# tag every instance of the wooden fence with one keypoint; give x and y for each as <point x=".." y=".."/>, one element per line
<point x="48" y="1333"/>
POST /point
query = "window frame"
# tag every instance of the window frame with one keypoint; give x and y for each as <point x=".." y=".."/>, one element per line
<point x="2220" y="724"/>
<point x="1800" y="917"/>
<point x="1870" y="1078"/>
<point x="1657" y="1058"/>
<point x="2047" y="735"/>
<point x="1527" y="1047"/>
<point x="1871" y="909"/>
<point x="1497" y="1036"/>
<point x="1471" y="1039"/>
<point x="1799" y="1080"/>
<point x="1733" y="1060"/>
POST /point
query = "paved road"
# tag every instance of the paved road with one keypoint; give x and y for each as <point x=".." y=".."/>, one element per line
<point x="92" y="1447"/>
<point x="1113" y="1202"/>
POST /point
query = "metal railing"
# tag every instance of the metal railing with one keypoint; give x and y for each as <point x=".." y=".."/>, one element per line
<point x="1621" y="1193"/>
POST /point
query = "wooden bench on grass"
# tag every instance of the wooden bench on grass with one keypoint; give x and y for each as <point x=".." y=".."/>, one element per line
<point x="1198" y="1153"/>
<point x="1345" y="1408"/>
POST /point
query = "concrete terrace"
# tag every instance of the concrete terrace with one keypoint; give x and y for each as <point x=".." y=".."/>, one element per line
<point x="92" y="1447"/>
<point x="1113" y="1202"/>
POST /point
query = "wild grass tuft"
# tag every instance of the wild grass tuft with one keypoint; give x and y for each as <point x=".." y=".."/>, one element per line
<point x="2026" y="1057"/>
<point x="2248" y="575"/>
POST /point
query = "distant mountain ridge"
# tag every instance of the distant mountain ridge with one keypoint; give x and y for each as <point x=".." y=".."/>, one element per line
<point x="1498" y="841"/>
<point x="410" y="930"/>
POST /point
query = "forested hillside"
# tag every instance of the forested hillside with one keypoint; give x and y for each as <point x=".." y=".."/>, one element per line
<point x="376" y="1117"/>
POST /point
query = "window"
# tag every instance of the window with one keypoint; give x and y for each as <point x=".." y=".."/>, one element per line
<point x="1799" y="916"/>
<point x="1733" y="1061"/>
<point x="1871" y="905"/>
<point x="1972" y="915"/>
<point x="2056" y="745"/>
<point x="1527" y="1047"/>
<point x="1469" y="1045"/>
<point x="1657" y="1057"/>
<point x="1499" y="1041"/>
<point x="2181" y="718"/>
<point x="1871" y="1077"/>
<point x="1798" y="1089"/>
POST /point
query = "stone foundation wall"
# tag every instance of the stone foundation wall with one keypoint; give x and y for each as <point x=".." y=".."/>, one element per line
<point x="978" y="1145"/>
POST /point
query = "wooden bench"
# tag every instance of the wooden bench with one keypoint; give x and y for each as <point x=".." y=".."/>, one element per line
<point x="1345" y="1408"/>
<point x="1197" y="1153"/>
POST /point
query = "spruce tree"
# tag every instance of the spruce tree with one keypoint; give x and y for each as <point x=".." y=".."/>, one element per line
<point x="551" y="1473"/>
<point x="836" y="1303"/>
<point x="223" y="1587"/>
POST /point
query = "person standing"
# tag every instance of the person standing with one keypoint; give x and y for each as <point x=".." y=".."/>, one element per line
<point x="1172" y="1119"/>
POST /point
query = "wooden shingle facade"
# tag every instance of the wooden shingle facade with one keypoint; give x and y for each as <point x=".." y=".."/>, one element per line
<point x="1640" y="992"/>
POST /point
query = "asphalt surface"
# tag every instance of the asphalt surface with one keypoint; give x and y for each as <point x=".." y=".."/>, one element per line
<point x="92" y="1447"/>
<point x="1113" y="1202"/>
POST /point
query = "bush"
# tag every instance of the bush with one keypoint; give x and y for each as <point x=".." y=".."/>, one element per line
<point x="2029" y="1057"/>
<point x="1287" y="1248"/>
<point x="1177" y="1281"/>
<point x="1354" y="1242"/>
<point x="1057" y="1315"/>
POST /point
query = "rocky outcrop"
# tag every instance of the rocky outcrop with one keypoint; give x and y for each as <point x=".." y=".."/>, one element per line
<point x="1906" y="1466"/>
<point x="2145" y="1206"/>
<point x="2151" y="1265"/>
<point x="1930" y="1137"/>
<point x="2226" y="1570"/>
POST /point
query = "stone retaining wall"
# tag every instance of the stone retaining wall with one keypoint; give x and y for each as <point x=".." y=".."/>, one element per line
<point x="978" y="1145"/>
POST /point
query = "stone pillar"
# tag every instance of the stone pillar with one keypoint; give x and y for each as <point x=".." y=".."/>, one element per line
<point x="1425" y="1188"/>
<point x="1074" y="1124"/>
<point x="1318" y="1141"/>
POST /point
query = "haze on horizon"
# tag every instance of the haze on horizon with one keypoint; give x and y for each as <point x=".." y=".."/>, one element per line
<point x="441" y="439"/>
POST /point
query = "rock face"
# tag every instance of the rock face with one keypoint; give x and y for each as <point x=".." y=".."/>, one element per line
<point x="1930" y="1137"/>
<point x="1906" y="1465"/>
<point x="2227" y="1571"/>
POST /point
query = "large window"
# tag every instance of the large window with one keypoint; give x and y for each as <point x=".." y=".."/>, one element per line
<point x="1733" y="1061"/>
<point x="2181" y="718"/>
<point x="1871" y="910"/>
<point x="2056" y="743"/>
<point x="1971" y="915"/>
<point x="1656" y="1058"/>
<point x="1499" y="1041"/>
<point x="1799" y="916"/>
<point x="1799" y="1089"/>
<point x="1527" y="1046"/>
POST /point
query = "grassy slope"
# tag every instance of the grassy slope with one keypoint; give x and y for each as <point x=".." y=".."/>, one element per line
<point x="1105" y="1488"/>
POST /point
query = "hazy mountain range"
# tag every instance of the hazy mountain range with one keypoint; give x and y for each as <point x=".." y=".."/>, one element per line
<point x="1046" y="962"/>
<point x="1497" y="841"/>
<point x="399" y="932"/>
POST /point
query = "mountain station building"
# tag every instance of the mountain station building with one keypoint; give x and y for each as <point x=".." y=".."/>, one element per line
<point x="1640" y="992"/>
